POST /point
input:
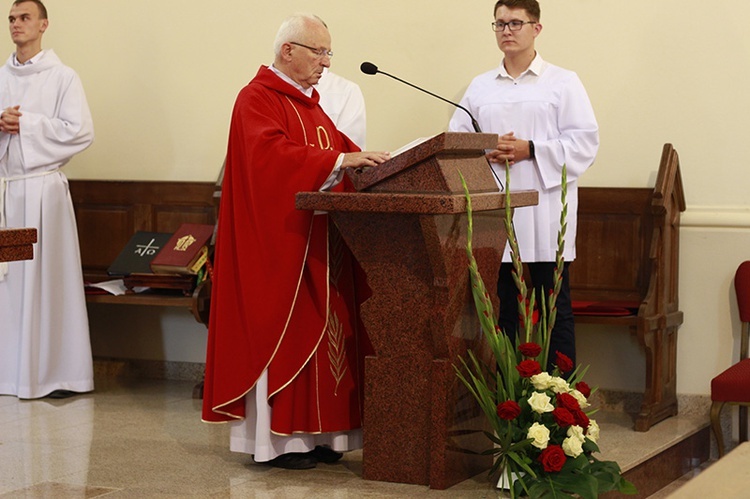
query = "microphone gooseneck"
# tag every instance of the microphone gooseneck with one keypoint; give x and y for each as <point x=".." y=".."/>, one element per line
<point x="371" y="69"/>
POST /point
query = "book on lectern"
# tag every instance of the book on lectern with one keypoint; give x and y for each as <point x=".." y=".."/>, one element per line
<point x="186" y="251"/>
<point x="136" y="256"/>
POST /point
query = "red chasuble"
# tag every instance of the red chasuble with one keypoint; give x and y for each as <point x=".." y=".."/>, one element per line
<point x="285" y="286"/>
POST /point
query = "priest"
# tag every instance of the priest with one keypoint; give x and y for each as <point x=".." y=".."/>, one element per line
<point x="285" y="343"/>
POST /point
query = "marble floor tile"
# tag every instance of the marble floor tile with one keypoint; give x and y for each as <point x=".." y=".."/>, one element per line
<point x="144" y="438"/>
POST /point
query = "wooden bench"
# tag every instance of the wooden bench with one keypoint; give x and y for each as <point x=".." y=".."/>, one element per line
<point x="109" y="212"/>
<point x="626" y="274"/>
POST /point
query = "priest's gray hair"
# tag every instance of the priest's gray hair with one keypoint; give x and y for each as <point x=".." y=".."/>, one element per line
<point x="293" y="29"/>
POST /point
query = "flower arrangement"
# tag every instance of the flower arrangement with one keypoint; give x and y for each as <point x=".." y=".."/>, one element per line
<point x="543" y="434"/>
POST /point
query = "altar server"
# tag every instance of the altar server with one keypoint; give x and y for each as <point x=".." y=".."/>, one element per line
<point x="544" y="120"/>
<point x="44" y="121"/>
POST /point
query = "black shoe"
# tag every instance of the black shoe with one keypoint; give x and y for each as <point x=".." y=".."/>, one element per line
<point x="294" y="461"/>
<point x="325" y="454"/>
<point x="61" y="394"/>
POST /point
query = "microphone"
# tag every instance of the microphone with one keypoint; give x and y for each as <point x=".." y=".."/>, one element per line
<point x="371" y="69"/>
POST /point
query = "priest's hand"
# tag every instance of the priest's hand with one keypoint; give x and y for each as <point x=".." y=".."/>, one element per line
<point x="9" y="120"/>
<point x="364" y="158"/>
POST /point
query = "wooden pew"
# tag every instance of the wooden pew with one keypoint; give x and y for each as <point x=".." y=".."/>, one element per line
<point x="626" y="274"/>
<point x="108" y="213"/>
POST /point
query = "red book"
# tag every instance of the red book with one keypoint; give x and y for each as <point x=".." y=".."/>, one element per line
<point x="185" y="252"/>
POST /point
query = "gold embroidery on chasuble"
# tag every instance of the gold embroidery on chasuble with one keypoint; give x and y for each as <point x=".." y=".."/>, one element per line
<point x="336" y="349"/>
<point x="334" y="329"/>
<point x="324" y="139"/>
<point x="336" y="344"/>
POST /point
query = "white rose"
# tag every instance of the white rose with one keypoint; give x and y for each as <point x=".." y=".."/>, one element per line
<point x="575" y="431"/>
<point x="593" y="431"/>
<point x="580" y="398"/>
<point x="559" y="385"/>
<point x="572" y="447"/>
<point x="541" y="381"/>
<point x="540" y="402"/>
<point x="540" y="434"/>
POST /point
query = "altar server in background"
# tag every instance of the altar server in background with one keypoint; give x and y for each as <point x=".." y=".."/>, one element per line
<point x="343" y="102"/>
<point x="44" y="121"/>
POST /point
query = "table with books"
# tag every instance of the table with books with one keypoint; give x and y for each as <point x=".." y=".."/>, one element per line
<point x="161" y="269"/>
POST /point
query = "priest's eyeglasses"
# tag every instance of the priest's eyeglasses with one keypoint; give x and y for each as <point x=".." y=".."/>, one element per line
<point x="321" y="52"/>
<point x="499" y="26"/>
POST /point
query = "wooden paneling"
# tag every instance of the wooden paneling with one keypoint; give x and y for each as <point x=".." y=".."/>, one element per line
<point x="614" y="232"/>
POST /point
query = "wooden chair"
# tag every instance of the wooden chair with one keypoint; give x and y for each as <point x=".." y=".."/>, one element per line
<point x="733" y="385"/>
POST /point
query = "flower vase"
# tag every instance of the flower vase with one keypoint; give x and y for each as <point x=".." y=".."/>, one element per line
<point x="502" y="482"/>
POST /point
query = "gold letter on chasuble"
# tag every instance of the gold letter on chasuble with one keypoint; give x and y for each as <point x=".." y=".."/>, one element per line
<point x="324" y="140"/>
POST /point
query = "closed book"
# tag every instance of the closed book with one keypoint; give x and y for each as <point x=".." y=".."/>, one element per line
<point x="136" y="256"/>
<point x="184" y="250"/>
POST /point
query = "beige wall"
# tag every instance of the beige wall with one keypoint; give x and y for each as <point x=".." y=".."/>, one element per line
<point x="161" y="77"/>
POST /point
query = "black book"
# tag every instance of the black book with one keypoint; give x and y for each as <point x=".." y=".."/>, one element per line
<point x="136" y="257"/>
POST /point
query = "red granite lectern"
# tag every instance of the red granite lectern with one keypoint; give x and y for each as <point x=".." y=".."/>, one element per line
<point x="406" y="226"/>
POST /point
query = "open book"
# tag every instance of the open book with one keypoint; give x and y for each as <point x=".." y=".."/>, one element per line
<point x="411" y="144"/>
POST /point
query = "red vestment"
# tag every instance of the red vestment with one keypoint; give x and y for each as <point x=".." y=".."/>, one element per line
<point x="284" y="283"/>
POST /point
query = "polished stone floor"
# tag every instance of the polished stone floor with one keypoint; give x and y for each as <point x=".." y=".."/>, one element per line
<point x="144" y="438"/>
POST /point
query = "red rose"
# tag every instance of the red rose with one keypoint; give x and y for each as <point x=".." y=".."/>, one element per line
<point x="568" y="401"/>
<point x="563" y="362"/>
<point x="528" y="368"/>
<point x="508" y="410"/>
<point x="582" y="387"/>
<point x="582" y="419"/>
<point x="530" y="349"/>
<point x="563" y="417"/>
<point x="552" y="458"/>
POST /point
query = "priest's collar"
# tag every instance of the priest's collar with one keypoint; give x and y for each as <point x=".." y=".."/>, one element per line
<point x="307" y="91"/>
